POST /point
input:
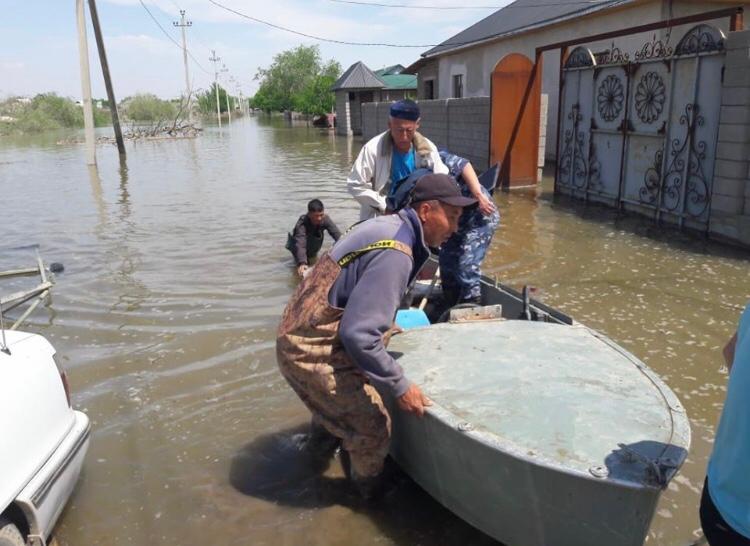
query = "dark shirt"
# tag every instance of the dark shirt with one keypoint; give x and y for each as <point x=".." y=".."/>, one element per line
<point x="370" y="289"/>
<point x="308" y="239"/>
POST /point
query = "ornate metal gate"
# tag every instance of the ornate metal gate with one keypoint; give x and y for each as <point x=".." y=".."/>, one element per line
<point x="642" y="133"/>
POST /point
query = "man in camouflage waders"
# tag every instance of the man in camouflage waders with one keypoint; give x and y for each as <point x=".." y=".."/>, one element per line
<point x="330" y="344"/>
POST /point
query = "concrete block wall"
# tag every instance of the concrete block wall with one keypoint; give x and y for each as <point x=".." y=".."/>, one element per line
<point x="343" y="119"/>
<point x="730" y="196"/>
<point x="460" y="125"/>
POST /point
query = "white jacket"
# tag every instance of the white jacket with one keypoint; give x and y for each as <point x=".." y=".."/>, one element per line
<point x="370" y="178"/>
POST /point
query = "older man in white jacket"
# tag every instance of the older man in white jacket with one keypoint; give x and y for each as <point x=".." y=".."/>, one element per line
<point x="390" y="157"/>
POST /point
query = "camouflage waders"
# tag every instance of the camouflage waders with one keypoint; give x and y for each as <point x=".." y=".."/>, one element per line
<point x="312" y="359"/>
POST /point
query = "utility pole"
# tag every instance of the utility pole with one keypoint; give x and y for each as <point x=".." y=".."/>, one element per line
<point x="226" y="94"/>
<point x="88" y="112"/>
<point x="184" y="24"/>
<point x="214" y="59"/>
<point x="107" y="79"/>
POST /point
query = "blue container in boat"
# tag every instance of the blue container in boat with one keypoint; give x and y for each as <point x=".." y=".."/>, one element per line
<point x="411" y="318"/>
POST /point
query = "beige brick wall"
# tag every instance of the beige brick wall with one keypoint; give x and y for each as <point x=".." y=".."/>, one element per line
<point x="730" y="196"/>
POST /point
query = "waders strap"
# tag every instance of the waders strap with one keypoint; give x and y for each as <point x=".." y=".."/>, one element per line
<point x="384" y="244"/>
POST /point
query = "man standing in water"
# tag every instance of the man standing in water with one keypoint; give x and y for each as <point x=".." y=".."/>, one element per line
<point x="330" y="343"/>
<point x="306" y="239"/>
<point x="725" y="504"/>
<point x="390" y="157"/>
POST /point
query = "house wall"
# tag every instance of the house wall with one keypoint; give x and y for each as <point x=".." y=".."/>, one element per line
<point x="730" y="199"/>
<point x="392" y="95"/>
<point x="428" y="72"/>
<point x="477" y="63"/>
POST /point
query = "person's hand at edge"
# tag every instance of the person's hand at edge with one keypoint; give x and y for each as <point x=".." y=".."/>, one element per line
<point x="414" y="401"/>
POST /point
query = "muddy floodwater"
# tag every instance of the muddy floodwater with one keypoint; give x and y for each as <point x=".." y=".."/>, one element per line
<point x="175" y="277"/>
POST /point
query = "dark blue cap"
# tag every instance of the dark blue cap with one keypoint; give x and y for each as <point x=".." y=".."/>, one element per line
<point x="405" y="109"/>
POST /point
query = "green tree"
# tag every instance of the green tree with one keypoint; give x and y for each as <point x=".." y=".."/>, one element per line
<point x="207" y="100"/>
<point x="46" y="111"/>
<point x="148" y="107"/>
<point x="317" y="98"/>
<point x="297" y="80"/>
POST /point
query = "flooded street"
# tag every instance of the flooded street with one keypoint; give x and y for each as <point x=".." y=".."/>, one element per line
<point x="175" y="278"/>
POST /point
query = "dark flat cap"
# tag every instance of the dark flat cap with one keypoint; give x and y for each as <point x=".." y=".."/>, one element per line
<point x="405" y="109"/>
<point x="440" y="187"/>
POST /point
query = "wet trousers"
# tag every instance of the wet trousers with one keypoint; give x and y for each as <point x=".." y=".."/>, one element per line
<point x="718" y="532"/>
<point x="313" y="361"/>
<point x="461" y="256"/>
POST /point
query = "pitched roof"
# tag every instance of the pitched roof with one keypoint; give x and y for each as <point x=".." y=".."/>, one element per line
<point x="358" y="76"/>
<point x="390" y="70"/>
<point x="517" y="17"/>
<point x="400" y="81"/>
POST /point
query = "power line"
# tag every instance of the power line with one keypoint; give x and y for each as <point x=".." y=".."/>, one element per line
<point x="170" y="37"/>
<point x="510" y="6"/>
<point x="376" y="4"/>
<point x="319" y="38"/>
<point x="447" y="43"/>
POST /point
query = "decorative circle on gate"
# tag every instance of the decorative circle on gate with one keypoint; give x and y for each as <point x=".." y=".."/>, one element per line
<point x="610" y="98"/>
<point x="650" y="96"/>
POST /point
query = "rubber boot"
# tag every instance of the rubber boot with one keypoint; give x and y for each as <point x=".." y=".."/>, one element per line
<point x="321" y="444"/>
<point x="369" y="488"/>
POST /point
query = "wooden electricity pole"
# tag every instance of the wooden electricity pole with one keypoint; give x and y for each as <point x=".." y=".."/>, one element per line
<point x="226" y="95"/>
<point x="183" y="25"/>
<point x="88" y="112"/>
<point x="214" y="59"/>
<point x="107" y="78"/>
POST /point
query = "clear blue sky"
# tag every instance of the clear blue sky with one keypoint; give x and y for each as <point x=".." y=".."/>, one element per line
<point x="39" y="49"/>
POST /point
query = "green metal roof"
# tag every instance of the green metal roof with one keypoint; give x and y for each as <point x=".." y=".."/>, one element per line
<point x="390" y="70"/>
<point x="400" y="81"/>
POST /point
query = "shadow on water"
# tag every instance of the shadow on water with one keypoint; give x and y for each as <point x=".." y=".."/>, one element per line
<point x="278" y="468"/>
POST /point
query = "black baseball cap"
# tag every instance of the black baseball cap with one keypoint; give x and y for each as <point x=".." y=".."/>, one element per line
<point x="440" y="187"/>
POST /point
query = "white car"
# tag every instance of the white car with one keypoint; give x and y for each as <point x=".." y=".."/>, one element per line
<point x="43" y="443"/>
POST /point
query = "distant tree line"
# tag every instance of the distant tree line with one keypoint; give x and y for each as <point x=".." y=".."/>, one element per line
<point x="48" y="111"/>
<point x="44" y="112"/>
<point x="297" y="80"/>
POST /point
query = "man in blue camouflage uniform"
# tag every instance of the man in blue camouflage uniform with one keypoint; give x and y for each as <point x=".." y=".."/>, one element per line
<point x="461" y="256"/>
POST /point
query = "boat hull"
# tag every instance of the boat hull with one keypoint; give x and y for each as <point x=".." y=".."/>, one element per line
<point x="510" y="497"/>
<point x="542" y="431"/>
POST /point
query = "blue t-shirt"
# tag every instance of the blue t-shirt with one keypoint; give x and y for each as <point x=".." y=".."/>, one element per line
<point x="402" y="166"/>
<point x="728" y="472"/>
